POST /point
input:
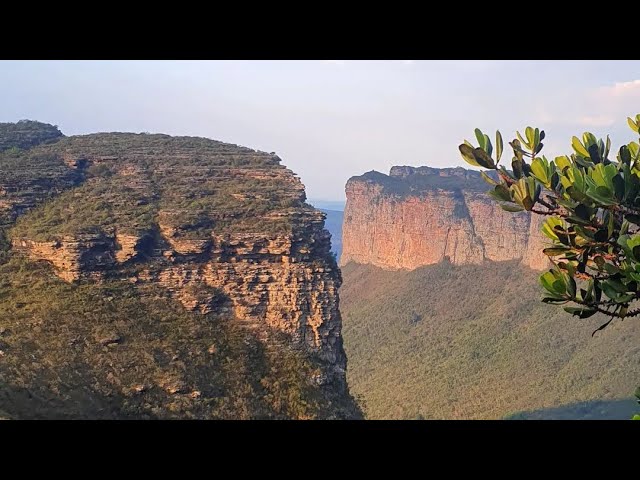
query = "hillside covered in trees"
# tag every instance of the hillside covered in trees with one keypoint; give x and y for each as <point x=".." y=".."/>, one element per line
<point x="474" y="341"/>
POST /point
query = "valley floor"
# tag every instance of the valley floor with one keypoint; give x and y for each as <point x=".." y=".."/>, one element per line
<point x="475" y="342"/>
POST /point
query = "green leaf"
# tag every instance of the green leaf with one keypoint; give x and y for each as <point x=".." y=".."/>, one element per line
<point x="487" y="178"/>
<point x="499" y="145"/>
<point x="555" y="251"/>
<point x="554" y="300"/>
<point x="578" y="147"/>
<point x="480" y="137"/>
<point x="624" y="155"/>
<point x="487" y="145"/>
<point x="467" y="154"/>
<point x="483" y="158"/>
<point x="577" y="221"/>
<point x="562" y="162"/>
<point x="589" y="139"/>
<point x="619" y="187"/>
<point x="501" y="193"/>
<point x="522" y="141"/>
<point x="549" y="225"/>
<point x="636" y="417"/>
<point x="509" y="207"/>
<point x="594" y="153"/>
<point x="517" y="167"/>
<point x="540" y="170"/>
<point x="610" y="225"/>
<point x="552" y="282"/>
<point x="523" y="192"/>
<point x="611" y="269"/>
<point x="632" y="124"/>
<point x="529" y="132"/>
<point x="583" y="211"/>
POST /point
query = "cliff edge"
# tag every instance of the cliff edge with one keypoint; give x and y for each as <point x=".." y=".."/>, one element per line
<point x="139" y="268"/>
<point x="418" y="216"/>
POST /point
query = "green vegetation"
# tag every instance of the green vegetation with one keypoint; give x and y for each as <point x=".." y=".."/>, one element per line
<point x="416" y="181"/>
<point x="28" y="178"/>
<point x="593" y="204"/>
<point x="123" y="347"/>
<point x="446" y="342"/>
<point x="193" y="186"/>
<point x="94" y="207"/>
<point x="113" y="350"/>
<point x="591" y="410"/>
<point x="26" y="134"/>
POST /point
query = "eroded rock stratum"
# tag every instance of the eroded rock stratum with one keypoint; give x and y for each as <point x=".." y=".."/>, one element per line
<point x="219" y="229"/>
<point x="422" y="216"/>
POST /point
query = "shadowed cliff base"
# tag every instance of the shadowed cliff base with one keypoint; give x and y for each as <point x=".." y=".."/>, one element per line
<point x="114" y="350"/>
<point x="589" y="410"/>
<point x="474" y="341"/>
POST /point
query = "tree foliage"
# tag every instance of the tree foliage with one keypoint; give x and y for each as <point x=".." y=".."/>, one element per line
<point x="593" y="207"/>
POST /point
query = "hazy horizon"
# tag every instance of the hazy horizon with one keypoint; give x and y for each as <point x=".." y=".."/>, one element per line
<point x="329" y="120"/>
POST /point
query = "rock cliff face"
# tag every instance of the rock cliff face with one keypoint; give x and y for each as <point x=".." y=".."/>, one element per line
<point x="420" y="216"/>
<point x="223" y="230"/>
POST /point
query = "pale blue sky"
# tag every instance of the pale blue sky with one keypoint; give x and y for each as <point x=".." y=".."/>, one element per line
<point x="329" y="120"/>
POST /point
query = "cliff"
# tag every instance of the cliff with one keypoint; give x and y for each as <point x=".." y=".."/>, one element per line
<point x="211" y="262"/>
<point x="422" y="216"/>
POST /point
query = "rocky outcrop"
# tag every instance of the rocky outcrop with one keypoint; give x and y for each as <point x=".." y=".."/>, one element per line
<point x="222" y="229"/>
<point x="72" y="257"/>
<point x="83" y="256"/>
<point x="286" y="282"/>
<point x="421" y="216"/>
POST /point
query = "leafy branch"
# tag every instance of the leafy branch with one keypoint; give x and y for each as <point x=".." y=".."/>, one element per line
<point x="592" y="205"/>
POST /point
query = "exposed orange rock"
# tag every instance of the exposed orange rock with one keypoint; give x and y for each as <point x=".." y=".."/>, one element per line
<point x="222" y="229"/>
<point x="282" y="281"/>
<point x="416" y="217"/>
<point x="72" y="257"/>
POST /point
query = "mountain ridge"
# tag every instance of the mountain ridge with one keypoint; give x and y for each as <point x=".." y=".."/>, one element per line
<point x="206" y="251"/>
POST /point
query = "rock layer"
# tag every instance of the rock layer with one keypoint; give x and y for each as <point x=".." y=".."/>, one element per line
<point x="223" y="229"/>
<point x="422" y="216"/>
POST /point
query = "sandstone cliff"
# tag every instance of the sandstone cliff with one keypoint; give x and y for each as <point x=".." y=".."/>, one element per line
<point x="421" y="216"/>
<point x="223" y="230"/>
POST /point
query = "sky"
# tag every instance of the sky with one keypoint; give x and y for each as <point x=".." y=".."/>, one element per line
<point x="331" y="119"/>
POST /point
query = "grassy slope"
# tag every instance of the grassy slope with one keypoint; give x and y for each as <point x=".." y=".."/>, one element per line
<point x="475" y="342"/>
<point x="53" y="363"/>
<point x="196" y="185"/>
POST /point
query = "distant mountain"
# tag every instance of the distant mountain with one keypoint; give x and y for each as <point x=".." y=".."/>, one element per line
<point x="328" y="204"/>
<point x="333" y="223"/>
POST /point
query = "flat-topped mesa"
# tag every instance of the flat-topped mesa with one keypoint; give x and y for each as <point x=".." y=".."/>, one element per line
<point x="224" y="229"/>
<point x="418" y="216"/>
